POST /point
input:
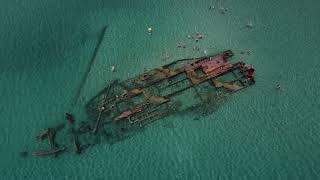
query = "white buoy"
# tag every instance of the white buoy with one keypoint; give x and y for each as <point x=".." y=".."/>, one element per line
<point x="149" y="30"/>
<point x="113" y="68"/>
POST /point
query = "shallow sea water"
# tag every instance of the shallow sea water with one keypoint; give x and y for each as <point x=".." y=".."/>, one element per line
<point x="259" y="133"/>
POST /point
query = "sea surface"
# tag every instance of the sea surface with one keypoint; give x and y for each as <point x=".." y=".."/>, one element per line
<point x="260" y="133"/>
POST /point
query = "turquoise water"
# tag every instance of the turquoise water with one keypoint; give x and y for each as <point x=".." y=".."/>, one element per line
<point x="259" y="133"/>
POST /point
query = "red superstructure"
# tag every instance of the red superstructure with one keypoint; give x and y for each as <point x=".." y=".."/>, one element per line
<point x="212" y="65"/>
<point x="215" y="66"/>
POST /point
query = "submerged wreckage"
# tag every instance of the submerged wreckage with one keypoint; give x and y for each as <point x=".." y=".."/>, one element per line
<point x="125" y="106"/>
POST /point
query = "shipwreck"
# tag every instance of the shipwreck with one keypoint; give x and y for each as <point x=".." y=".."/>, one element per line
<point x="125" y="106"/>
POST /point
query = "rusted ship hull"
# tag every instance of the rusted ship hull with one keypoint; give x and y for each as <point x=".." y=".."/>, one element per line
<point x="155" y="93"/>
<point x="197" y="85"/>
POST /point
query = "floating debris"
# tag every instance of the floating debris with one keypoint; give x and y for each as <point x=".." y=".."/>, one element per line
<point x="249" y="25"/>
<point x="222" y="10"/>
<point x="113" y="68"/>
<point x="278" y="87"/>
<point x="165" y="56"/>
<point x="195" y="48"/>
<point x="198" y="36"/>
<point x="181" y="45"/>
<point x="149" y="30"/>
<point x="211" y="7"/>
